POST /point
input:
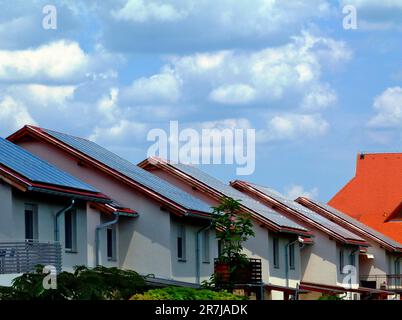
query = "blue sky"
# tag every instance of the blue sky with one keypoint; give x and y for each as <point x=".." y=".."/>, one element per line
<point x="315" y="93"/>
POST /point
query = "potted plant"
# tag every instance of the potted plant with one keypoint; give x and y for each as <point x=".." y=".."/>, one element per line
<point x="233" y="227"/>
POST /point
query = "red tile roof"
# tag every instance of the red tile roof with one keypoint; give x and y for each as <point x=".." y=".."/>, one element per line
<point x="375" y="193"/>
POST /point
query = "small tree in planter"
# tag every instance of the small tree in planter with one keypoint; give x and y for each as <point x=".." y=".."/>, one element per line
<point x="233" y="227"/>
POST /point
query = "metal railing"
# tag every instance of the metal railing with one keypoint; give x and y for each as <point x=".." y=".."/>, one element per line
<point x="390" y="282"/>
<point x="249" y="273"/>
<point x="24" y="256"/>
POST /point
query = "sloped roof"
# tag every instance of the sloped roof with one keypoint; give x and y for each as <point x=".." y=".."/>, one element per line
<point x="306" y="214"/>
<point x="36" y="172"/>
<point x="126" y="168"/>
<point x="321" y="207"/>
<point x="228" y="191"/>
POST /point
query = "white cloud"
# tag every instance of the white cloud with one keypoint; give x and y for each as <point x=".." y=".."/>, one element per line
<point x="107" y="105"/>
<point x="162" y="87"/>
<point x="229" y="123"/>
<point x="13" y="115"/>
<point x="149" y="10"/>
<point x="319" y="98"/>
<point x="237" y="77"/>
<point x="292" y="127"/>
<point x="60" y="60"/>
<point x="205" y="25"/>
<point x="294" y="191"/>
<point x="45" y="95"/>
<point x="388" y="106"/>
<point x="233" y="94"/>
<point x="123" y="132"/>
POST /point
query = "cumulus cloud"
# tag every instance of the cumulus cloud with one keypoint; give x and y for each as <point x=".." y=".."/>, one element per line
<point x="293" y="126"/>
<point x="233" y="94"/>
<point x="163" y="87"/>
<point x="204" y="25"/>
<point x="60" y="60"/>
<point x="388" y="108"/>
<point x="13" y="115"/>
<point x="57" y="62"/>
<point x="319" y="98"/>
<point x="254" y="77"/>
<point x="144" y="11"/>
<point x="123" y="132"/>
<point x="294" y="191"/>
<point x="44" y="95"/>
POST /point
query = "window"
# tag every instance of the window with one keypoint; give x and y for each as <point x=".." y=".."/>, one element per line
<point x="352" y="259"/>
<point x="292" y="256"/>
<point x="70" y="234"/>
<point x="111" y="243"/>
<point x="276" y="252"/>
<point x="220" y="247"/>
<point x="181" y="243"/>
<point x="205" y="246"/>
<point x="397" y="266"/>
<point x="341" y="260"/>
<point x="31" y="222"/>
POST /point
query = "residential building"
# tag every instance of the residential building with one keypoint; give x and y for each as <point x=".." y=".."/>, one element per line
<point x="273" y="231"/>
<point x="48" y="217"/>
<point x="379" y="263"/>
<point x="330" y="262"/>
<point x="169" y="240"/>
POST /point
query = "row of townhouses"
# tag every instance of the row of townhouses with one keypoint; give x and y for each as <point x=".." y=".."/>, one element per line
<point x="66" y="201"/>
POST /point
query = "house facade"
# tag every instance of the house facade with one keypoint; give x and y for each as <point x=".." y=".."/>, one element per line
<point x="47" y="216"/>
<point x="329" y="260"/>
<point x="170" y="241"/>
<point x="379" y="262"/>
<point x="274" y="233"/>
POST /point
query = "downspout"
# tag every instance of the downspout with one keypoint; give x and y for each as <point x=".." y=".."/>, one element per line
<point x="56" y="217"/>
<point x="197" y="252"/>
<point x="287" y="259"/>
<point x="97" y="231"/>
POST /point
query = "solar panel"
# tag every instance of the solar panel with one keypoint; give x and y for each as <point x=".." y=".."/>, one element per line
<point x="36" y="169"/>
<point x="357" y="223"/>
<point x="132" y="171"/>
<point x="307" y="212"/>
<point x="231" y="192"/>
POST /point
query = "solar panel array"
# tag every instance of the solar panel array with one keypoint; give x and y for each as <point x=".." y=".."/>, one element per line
<point x="132" y="171"/>
<point x="357" y="223"/>
<point x="231" y="192"/>
<point x="309" y="214"/>
<point x="36" y="169"/>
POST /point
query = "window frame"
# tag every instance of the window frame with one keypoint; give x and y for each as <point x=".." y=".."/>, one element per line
<point x="206" y="256"/>
<point x="275" y="252"/>
<point x="111" y="243"/>
<point x="292" y="256"/>
<point x="73" y="232"/>
<point x="33" y="208"/>
<point x="341" y="260"/>
<point x="181" y="243"/>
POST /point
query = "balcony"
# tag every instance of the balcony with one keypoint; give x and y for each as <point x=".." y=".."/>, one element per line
<point x="390" y="282"/>
<point x="248" y="274"/>
<point x="24" y="256"/>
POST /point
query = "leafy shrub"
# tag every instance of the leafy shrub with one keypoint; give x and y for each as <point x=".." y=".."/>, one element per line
<point x="179" y="293"/>
<point x="99" y="283"/>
